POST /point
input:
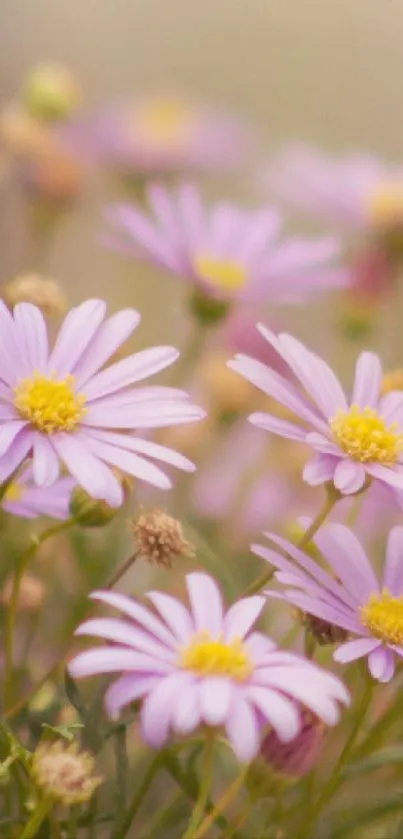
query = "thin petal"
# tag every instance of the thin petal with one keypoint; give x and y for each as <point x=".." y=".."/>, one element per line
<point x="215" y="697"/>
<point x="206" y="603"/>
<point x="122" y="632"/>
<point x="138" y="613"/>
<point x="278" y="426"/>
<point x="393" y="573"/>
<point x="127" y="461"/>
<point x="348" y="559"/>
<point x="32" y="336"/>
<point x="46" y="464"/>
<point x="241" y="617"/>
<point x="174" y="613"/>
<point x="357" y="648"/>
<point x="16" y="454"/>
<point x="349" y="476"/>
<point x="186" y="713"/>
<point x="126" y="690"/>
<point x="78" y="330"/>
<point x="89" y="471"/>
<point x="130" y="370"/>
<point x="319" y="470"/>
<point x="381" y="663"/>
<point x="279" y="711"/>
<point x="158" y="709"/>
<point x="112" y="660"/>
<point x="367" y="382"/>
<point x="108" y="339"/>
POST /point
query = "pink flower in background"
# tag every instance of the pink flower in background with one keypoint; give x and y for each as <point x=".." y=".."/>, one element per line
<point x="162" y="135"/>
<point x="227" y="251"/>
<point x="23" y="498"/>
<point x="61" y="406"/>
<point x="351" y="596"/>
<point x="204" y="666"/>
<point x="354" y="440"/>
<point x="357" y="192"/>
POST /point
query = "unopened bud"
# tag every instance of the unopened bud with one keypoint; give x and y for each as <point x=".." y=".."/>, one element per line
<point x="323" y="631"/>
<point x="30" y="596"/>
<point x="51" y="92"/>
<point x="295" y="759"/>
<point x="88" y="511"/>
<point x="160" y="538"/>
<point x="31" y="288"/>
<point x="64" y="774"/>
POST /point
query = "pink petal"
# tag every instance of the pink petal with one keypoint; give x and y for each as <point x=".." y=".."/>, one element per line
<point x="349" y="476"/>
<point x="206" y="603"/>
<point x="108" y="339"/>
<point x="242" y="729"/>
<point x="312" y="689"/>
<point x="278" y="426"/>
<point x="352" y="650"/>
<point x="127" y="461"/>
<point x="278" y="710"/>
<point x="175" y="615"/>
<point x="393" y="476"/>
<point x="367" y="382"/>
<point x="122" y="632"/>
<point x="393" y="572"/>
<point x="78" y="329"/>
<point x="126" y="690"/>
<point x="112" y="660"/>
<point x="8" y="433"/>
<point x="158" y="709"/>
<point x="319" y="470"/>
<point x="186" y="713"/>
<point x="130" y="370"/>
<point x="146" y="447"/>
<point x="16" y="454"/>
<point x="381" y="663"/>
<point x="89" y="471"/>
<point x="348" y="559"/>
<point x="32" y="337"/>
<point x="241" y="617"/>
<point x="215" y="697"/>
<point x="46" y="466"/>
<point x="138" y="613"/>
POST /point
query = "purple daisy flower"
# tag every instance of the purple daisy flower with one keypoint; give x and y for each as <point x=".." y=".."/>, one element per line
<point x="357" y="192"/>
<point x="61" y="406"/>
<point x="355" y="601"/>
<point x="226" y="251"/>
<point x="202" y="666"/>
<point x="23" y="498"/>
<point x="354" y="440"/>
<point x="162" y="135"/>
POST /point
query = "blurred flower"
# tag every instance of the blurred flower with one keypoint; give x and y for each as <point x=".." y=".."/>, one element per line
<point x="204" y="666"/>
<point x="24" y="498"/>
<point x="63" y="773"/>
<point x="355" y="441"/>
<point x="159" y="538"/>
<point x="32" y="288"/>
<point x="61" y="405"/>
<point x="162" y="135"/>
<point x="357" y="192"/>
<point x="351" y="597"/>
<point x="51" y="92"/>
<point x="225" y="252"/>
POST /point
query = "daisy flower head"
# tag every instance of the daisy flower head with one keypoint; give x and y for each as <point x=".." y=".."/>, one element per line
<point x="350" y="597"/>
<point x="358" y="192"/>
<point x="25" y="499"/>
<point x="226" y="252"/>
<point x="163" y="135"/>
<point x="202" y="665"/>
<point x="63" y="406"/>
<point x="354" y="440"/>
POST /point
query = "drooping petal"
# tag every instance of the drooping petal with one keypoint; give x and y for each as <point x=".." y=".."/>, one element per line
<point x="352" y="650"/>
<point x="381" y="663"/>
<point x="242" y="729"/>
<point x="319" y="470"/>
<point x="349" y="476"/>
<point x="278" y="710"/>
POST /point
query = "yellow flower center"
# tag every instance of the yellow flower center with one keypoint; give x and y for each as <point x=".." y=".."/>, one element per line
<point x="50" y="405"/>
<point x="14" y="492"/>
<point x="392" y="380"/>
<point x="223" y="273"/>
<point x="163" y="121"/>
<point x="386" y="205"/>
<point x="383" y="615"/>
<point x="364" y="435"/>
<point x="208" y="657"/>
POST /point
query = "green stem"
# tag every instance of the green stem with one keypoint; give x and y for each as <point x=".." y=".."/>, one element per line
<point x="204" y="790"/>
<point x="122" y="828"/>
<point x="122" y="768"/>
<point x="72" y="823"/>
<point x="11" y="616"/>
<point x="330" y="501"/>
<point x="38" y="816"/>
<point x="223" y="802"/>
<point x="334" y="781"/>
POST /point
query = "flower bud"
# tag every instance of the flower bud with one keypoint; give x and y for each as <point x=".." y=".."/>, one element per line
<point x="295" y="759"/>
<point x="32" y="288"/>
<point x="323" y="631"/>
<point x="207" y="309"/>
<point x="160" y="539"/>
<point x="51" y="92"/>
<point x="88" y="511"/>
<point x="64" y="774"/>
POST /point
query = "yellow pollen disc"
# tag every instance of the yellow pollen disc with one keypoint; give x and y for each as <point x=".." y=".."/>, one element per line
<point x="223" y="273"/>
<point x="363" y="434"/>
<point x="386" y="205"/>
<point x="14" y="492"/>
<point x="392" y="380"/>
<point x="207" y="657"/>
<point x="50" y="405"/>
<point x="163" y="121"/>
<point x="383" y="616"/>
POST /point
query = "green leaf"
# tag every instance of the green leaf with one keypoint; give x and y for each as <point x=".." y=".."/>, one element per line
<point x="66" y="731"/>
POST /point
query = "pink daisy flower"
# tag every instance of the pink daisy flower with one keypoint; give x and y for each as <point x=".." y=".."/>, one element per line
<point x="162" y="135"/>
<point x="23" y="498"/>
<point x="201" y="666"/>
<point x="357" y="192"/>
<point x="355" y="439"/>
<point x="61" y="406"/>
<point x="355" y="600"/>
<point x="225" y="251"/>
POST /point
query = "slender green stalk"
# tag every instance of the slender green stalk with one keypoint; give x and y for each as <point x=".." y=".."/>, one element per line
<point x="330" y="501"/>
<point x="204" y="790"/>
<point x="123" y="827"/>
<point x="11" y="616"/>
<point x="122" y="768"/>
<point x="72" y="823"/>
<point x="38" y="816"/>
<point x="334" y="781"/>
<point x="223" y="802"/>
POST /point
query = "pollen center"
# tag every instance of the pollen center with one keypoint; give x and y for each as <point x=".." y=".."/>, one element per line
<point x="383" y="616"/>
<point x="364" y="436"/>
<point x="164" y="121"/>
<point x="386" y="205"/>
<point x="223" y="273"/>
<point x="208" y="657"/>
<point x="50" y="405"/>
